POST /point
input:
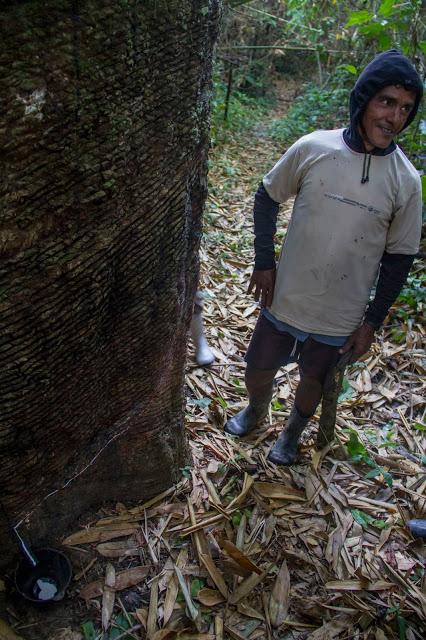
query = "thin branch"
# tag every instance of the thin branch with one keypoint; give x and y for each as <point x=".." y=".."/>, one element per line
<point x="283" y="47"/>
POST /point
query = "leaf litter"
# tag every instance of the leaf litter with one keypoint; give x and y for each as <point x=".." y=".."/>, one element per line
<point x="242" y="549"/>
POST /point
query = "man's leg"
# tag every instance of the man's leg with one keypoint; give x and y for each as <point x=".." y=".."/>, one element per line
<point x="315" y="360"/>
<point x="260" y="386"/>
<point x="269" y="349"/>
<point x="203" y="354"/>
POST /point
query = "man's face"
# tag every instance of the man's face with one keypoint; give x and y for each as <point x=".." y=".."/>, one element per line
<point x="385" y="116"/>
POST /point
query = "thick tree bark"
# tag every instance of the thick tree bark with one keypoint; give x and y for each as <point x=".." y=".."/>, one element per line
<point x="104" y="132"/>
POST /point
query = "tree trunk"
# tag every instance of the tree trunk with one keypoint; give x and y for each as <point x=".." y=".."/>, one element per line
<point x="104" y="132"/>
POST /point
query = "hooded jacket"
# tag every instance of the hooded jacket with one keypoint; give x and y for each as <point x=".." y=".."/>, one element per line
<point x="387" y="68"/>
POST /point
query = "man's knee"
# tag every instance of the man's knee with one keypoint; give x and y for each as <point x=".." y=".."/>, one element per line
<point x="308" y="395"/>
<point x="258" y="377"/>
<point x="316" y="360"/>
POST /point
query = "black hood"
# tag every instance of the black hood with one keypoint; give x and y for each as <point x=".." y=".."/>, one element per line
<point x="388" y="68"/>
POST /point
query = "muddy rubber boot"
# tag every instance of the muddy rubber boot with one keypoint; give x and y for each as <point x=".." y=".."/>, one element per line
<point x="203" y="354"/>
<point x="284" y="451"/>
<point x="247" y="419"/>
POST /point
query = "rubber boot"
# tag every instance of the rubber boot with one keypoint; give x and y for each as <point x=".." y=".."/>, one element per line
<point x="247" y="419"/>
<point x="203" y="354"/>
<point x="284" y="451"/>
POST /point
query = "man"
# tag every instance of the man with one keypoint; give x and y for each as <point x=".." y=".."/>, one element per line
<point x="356" y="215"/>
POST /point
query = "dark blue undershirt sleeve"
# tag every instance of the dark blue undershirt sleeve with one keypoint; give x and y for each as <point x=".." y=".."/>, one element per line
<point x="394" y="269"/>
<point x="265" y="225"/>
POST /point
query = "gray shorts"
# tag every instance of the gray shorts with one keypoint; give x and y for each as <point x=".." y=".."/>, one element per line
<point x="271" y="348"/>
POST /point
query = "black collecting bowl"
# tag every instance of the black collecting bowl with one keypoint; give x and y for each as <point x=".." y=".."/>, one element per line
<point x="48" y="580"/>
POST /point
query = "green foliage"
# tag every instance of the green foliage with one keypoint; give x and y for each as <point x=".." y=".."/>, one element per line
<point x="420" y="426"/>
<point x="244" y="111"/>
<point x="120" y="625"/>
<point x="358" y="453"/>
<point x="400" y="621"/>
<point x="383" y="437"/>
<point x="347" y="392"/>
<point x="392" y="24"/>
<point x="222" y="402"/>
<point x="196" y="586"/>
<point x="356" y="449"/>
<point x="316" y="108"/>
<point x="365" y="520"/>
<point x="203" y="403"/>
<point x="236" y="518"/>
<point x="412" y="299"/>
<point x="88" y="631"/>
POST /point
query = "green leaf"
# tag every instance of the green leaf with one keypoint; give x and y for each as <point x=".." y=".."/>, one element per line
<point x="236" y="518"/>
<point x="372" y="30"/>
<point x="402" y="627"/>
<point x="186" y="471"/>
<point x="201" y="402"/>
<point x="350" y="68"/>
<point x="362" y="518"/>
<point x="347" y="391"/>
<point x="89" y="631"/>
<point x="355" y="447"/>
<point x="423" y="179"/>
<point x="196" y="586"/>
<point x="359" y="17"/>
<point x="380" y="524"/>
<point x="388" y="478"/>
<point x="122" y="625"/>
<point x="422" y="46"/>
<point x="222" y="402"/>
<point x="373" y="473"/>
<point x="385" y="41"/>
<point x="386" y="8"/>
<point x="193" y="611"/>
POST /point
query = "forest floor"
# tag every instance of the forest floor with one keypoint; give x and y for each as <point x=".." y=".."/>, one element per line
<point x="241" y="549"/>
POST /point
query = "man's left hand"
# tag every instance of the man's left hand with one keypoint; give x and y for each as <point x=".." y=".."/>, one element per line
<point x="359" y="341"/>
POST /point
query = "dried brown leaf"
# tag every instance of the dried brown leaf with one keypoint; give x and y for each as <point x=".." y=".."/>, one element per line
<point x="151" y="624"/>
<point x="358" y="585"/>
<point x="210" y="597"/>
<point x="123" y="580"/>
<point x="279" y="491"/>
<point x="215" y="574"/>
<point x="7" y="633"/>
<point x="279" y="600"/>
<point x="99" y="534"/>
<point x="173" y="586"/>
<point x="108" y="596"/>
<point x="239" y="557"/>
<point x="248" y="611"/>
<point x="117" y="549"/>
<point x="248" y="585"/>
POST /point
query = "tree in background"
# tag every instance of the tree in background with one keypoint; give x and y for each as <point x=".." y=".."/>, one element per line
<point x="324" y="43"/>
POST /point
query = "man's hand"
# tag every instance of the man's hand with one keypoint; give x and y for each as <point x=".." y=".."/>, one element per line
<point x="359" y="341"/>
<point x="263" y="283"/>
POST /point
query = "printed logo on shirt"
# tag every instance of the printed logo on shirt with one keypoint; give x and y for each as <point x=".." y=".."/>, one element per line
<point x="354" y="203"/>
